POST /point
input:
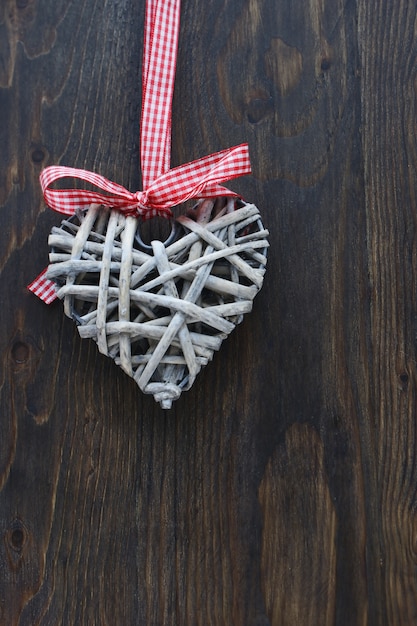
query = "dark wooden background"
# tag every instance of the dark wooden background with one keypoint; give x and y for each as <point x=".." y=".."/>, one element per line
<point x="280" y="490"/>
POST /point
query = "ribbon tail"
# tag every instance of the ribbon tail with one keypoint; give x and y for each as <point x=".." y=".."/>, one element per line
<point x="44" y="288"/>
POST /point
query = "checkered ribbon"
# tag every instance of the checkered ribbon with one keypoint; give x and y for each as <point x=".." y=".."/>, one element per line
<point x="162" y="25"/>
<point x="196" y="179"/>
<point x="162" y="187"/>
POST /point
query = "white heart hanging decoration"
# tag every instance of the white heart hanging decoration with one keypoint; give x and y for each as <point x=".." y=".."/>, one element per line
<point x="162" y="312"/>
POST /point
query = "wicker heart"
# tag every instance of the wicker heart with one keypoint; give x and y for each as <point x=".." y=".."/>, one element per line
<point x="161" y="310"/>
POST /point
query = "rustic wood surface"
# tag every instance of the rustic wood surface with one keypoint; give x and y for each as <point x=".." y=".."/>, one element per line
<point x="281" y="489"/>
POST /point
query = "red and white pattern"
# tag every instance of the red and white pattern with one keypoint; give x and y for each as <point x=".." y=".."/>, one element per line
<point x="197" y="179"/>
<point x="44" y="288"/>
<point x="160" y="47"/>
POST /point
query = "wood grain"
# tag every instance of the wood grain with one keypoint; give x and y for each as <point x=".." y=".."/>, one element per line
<point x="299" y="523"/>
<point x="388" y="113"/>
<point x="281" y="489"/>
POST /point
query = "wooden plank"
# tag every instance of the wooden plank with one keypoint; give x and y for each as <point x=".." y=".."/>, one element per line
<point x="298" y="526"/>
<point x="281" y="488"/>
<point x="387" y="54"/>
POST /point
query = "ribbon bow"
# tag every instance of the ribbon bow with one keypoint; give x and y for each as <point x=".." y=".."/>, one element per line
<point x="199" y="178"/>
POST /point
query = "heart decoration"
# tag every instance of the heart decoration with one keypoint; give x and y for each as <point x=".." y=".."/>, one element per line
<point x="160" y="311"/>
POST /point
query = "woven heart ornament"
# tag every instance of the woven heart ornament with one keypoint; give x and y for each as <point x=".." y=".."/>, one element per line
<point x="160" y="310"/>
<point x="162" y="313"/>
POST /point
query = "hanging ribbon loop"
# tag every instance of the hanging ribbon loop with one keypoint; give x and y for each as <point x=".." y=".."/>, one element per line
<point x="160" y="48"/>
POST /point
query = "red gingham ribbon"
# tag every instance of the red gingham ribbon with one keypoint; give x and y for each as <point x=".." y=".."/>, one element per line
<point x="162" y="187"/>
<point x="198" y="178"/>
<point x="160" y="46"/>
